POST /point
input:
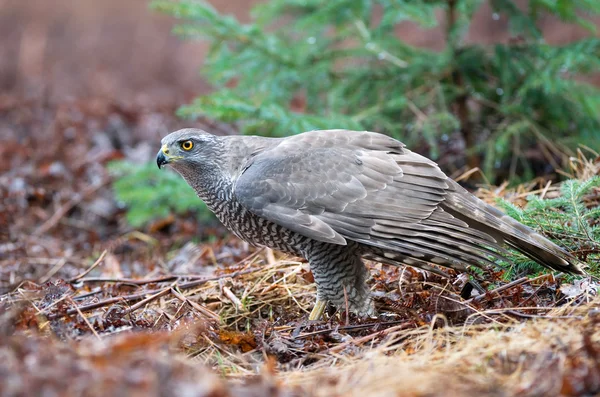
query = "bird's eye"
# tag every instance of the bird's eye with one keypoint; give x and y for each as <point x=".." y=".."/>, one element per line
<point x="187" y="145"/>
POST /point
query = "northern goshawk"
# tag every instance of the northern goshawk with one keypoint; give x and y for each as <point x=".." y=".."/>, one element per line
<point x="337" y="196"/>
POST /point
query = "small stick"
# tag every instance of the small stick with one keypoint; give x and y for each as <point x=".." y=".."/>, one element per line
<point x="59" y="264"/>
<point x="102" y="255"/>
<point x="501" y="288"/>
<point x="467" y="174"/>
<point x="504" y="287"/>
<point x="131" y="280"/>
<point x="66" y="207"/>
<point x="367" y="338"/>
<point x="524" y="315"/>
<point x="106" y="302"/>
<point x="84" y="318"/>
<point x="137" y="281"/>
<point x="142" y="295"/>
<point x="149" y="299"/>
<point x="192" y="284"/>
<point x="250" y="257"/>
<point x="355" y="327"/>
<point x="50" y="306"/>
<point x="231" y="296"/>
<point x="200" y="308"/>
<point x="543" y="194"/>
<point x="88" y="294"/>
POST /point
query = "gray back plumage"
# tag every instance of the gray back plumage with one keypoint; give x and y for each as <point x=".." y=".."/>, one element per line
<point x="340" y="187"/>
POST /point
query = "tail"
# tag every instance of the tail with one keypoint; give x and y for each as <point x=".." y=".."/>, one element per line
<point x="479" y="215"/>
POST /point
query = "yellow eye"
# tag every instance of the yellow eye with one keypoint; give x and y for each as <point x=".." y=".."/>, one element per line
<point x="187" y="145"/>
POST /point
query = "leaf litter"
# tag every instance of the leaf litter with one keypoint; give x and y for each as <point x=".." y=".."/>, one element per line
<point x="89" y="306"/>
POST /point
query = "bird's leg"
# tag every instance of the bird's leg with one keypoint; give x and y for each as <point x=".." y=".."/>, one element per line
<point x="337" y="268"/>
<point x="317" y="312"/>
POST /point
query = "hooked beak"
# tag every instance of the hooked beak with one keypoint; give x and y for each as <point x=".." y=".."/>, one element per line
<point x="161" y="157"/>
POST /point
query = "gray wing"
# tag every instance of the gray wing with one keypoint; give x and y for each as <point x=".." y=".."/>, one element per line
<point x="337" y="185"/>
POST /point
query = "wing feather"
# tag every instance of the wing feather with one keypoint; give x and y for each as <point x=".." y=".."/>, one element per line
<point x="337" y="185"/>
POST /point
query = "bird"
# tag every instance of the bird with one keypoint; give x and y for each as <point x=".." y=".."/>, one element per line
<point x="339" y="197"/>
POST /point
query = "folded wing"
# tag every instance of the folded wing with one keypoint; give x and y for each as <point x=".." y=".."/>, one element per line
<point x="338" y="185"/>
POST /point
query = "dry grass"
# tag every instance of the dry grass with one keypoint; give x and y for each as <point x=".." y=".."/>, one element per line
<point x="246" y="324"/>
<point x="155" y="314"/>
<point x="541" y="357"/>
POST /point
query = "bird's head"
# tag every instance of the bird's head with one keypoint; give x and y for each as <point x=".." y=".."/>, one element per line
<point x="189" y="149"/>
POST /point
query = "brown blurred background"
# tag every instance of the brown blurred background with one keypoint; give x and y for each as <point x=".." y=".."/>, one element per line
<point x="121" y="50"/>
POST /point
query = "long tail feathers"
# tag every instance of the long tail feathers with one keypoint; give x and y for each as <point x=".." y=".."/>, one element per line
<point x="502" y="227"/>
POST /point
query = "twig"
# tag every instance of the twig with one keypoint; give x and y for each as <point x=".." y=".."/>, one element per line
<point x="59" y="264"/>
<point x="467" y="174"/>
<point x="525" y="315"/>
<point x="88" y="294"/>
<point x="501" y="288"/>
<point x="102" y="255"/>
<point x="545" y="190"/>
<point x="66" y="207"/>
<point x="106" y="302"/>
<point x="356" y="327"/>
<point x="376" y="49"/>
<point x="195" y="305"/>
<point x="143" y="295"/>
<point x="231" y="296"/>
<point x="50" y="306"/>
<point x="504" y="287"/>
<point x="84" y="318"/>
<point x="367" y="338"/>
<point x="133" y="281"/>
<point x="195" y="283"/>
<point x="149" y="299"/>
<point x="250" y="257"/>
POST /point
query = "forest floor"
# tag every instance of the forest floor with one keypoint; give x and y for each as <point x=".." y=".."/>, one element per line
<point x="91" y="306"/>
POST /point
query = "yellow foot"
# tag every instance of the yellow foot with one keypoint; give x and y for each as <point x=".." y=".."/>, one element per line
<point x="318" y="310"/>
